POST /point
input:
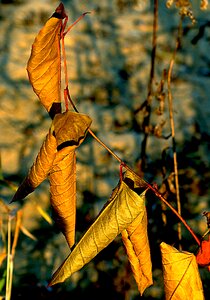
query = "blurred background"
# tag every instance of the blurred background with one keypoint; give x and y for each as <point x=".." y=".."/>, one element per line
<point x="109" y="62"/>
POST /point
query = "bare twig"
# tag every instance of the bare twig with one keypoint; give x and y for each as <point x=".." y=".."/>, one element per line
<point x="171" y="116"/>
<point x="123" y="164"/>
<point x="147" y="108"/>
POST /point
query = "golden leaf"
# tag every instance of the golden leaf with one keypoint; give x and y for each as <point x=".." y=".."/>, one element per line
<point x="70" y="130"/>
<point x="63" y="192"/>
<point x="44" y="65"/>
<point x="181" y="275"/>
<point x="137" y="247"/>
<point x="40" y="168"/>
<point x="123" y="207"/>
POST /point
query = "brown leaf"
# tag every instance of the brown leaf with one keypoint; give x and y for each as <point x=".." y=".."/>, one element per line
<point x="44" y="65"/>
<point x="123" y="207"/>
<point x="181" y="276"/>
<point x="137" y="247"/>
<point x="70" y="130"/>
<point x="40" y="168"/>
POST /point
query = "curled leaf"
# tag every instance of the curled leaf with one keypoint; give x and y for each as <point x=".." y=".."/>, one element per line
<point x="181" y="276"/>
<point x="44" y="65"/>
<point x="70" y="130"/>
<point x="40" y="168"/>
<point x="63" y="192"/>
<point x="123" y="207"/>
<point x="137" y="247"/>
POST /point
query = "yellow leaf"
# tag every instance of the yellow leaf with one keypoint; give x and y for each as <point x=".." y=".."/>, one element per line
<point x="44" y="65"/>
<point x="137" y="247"/>
<point x="40" y="168"/>
<point x="70" y="130"/>
<point x="123" y="207"/>
<point x="63" y="192"/>
<point x="181" y="275"/>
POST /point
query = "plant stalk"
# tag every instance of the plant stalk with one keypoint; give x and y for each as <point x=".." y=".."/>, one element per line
<point x="172" y="124"/>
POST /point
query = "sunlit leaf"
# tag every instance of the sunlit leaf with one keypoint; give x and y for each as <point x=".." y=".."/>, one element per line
<point x="44" y="65"/>
<point x="181" y="275"/>
<point x="40" y="169"/>
<point x="70" y="130"/>
<point x="121" y="210"/>
<point x="137" y="247"/>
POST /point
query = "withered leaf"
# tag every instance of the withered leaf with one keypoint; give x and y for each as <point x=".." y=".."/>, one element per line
<point x="137" y="247"/>
<point x="44" y="65"/>
<point x="123" y="207"/>
<point x="70" y="130"/>
<point x="40" y="168"/>
<point x="181" y="275"/>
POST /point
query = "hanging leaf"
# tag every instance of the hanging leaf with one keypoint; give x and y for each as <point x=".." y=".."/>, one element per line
<point x="70" y="130"/>
<point x="203" y="256"/>
<point x="40" y="169"/>
<point x="137" y="247"/>
<point x="44" y="65"/>
<point x="122" y="208"/>
<point x="181" y="276"/>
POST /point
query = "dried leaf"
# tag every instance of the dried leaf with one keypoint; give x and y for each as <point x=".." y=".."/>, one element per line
<point x="63" y="192"/>
<point x="40" y="169"/>
<point x="207" y="215"/>
<point x="137" y="247"/>
<point x="181" y="276"/>
<point x="203" y="256"/>
<point x="123" y="207"/>
<point x="70" y="130"/>
<point x="44" y="65"/>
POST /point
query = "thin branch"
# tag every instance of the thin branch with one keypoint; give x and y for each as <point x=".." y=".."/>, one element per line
<point x="146" y="120"/>
<point x="123" y="164"/>
<point x="172" y="124"/>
